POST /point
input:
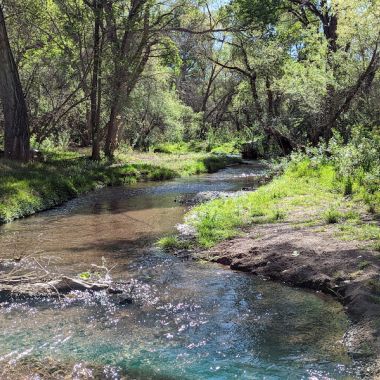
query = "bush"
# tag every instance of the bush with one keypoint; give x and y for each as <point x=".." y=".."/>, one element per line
<point x="231" y="147"/>
<point x="332" y="216"/>
<point x="357" y="163"/>
<point x="173" y="243"/>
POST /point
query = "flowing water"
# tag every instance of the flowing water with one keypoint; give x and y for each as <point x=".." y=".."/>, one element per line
<point x="189" y="320"/>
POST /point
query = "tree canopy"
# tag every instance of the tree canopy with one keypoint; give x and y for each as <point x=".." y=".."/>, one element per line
<point x="105" y="73"/>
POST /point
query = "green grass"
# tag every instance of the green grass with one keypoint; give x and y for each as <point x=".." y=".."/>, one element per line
<point x="362" y="231"/>
<point x="332" y="216"/>
<point x="183" y="164"/>
<point x="304" y="193"/>
<point x="228" y="148"/>
<point x="28" y="188"/>
<point x="172" y="243"/>
<point x="172" y="148"/>
<point x="231" y="147"/>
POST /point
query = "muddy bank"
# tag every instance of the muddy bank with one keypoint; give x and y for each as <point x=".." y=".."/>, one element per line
<point x="306" y="257"/>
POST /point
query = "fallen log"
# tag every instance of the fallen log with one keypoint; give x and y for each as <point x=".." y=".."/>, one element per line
<point x="19" y="281"/>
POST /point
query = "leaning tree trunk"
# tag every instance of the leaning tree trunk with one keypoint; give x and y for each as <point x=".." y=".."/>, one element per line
<point x="16" y="123"/>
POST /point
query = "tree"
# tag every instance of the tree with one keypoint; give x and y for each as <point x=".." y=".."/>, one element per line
<point x="97" y="7"/>
<point x="142" y="33"/>
<point x="331" y="57"/>
<point x="16" y="122"/>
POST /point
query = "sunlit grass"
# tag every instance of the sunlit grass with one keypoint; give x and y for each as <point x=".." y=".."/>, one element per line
<point x="172" y="243"/>
<point x="184" y="164"/>
<point x="304" y="195"/>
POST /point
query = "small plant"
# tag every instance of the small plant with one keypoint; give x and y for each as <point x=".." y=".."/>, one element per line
<point x="351" y="215"/>
<point x="364" y="264"/>
<point x="375" y="285"/>
<point x="85" y="275"/>
<point x="332" y="216"/>
<point x="172" y="243"/>
<point x="348" y="186"/>
<point x="278" y="215"/>
<point x="372" y="208"/>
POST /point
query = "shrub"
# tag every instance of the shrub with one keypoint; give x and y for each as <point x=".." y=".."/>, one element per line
<point x="231" y="147"/>
<point x="172" y="243"/>
<point x="332" y="216"/>
<point x="278" y="215"/>
<point x="171" y="148"/>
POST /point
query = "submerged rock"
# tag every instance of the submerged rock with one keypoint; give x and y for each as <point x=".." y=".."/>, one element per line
<point x="206" y="196"/>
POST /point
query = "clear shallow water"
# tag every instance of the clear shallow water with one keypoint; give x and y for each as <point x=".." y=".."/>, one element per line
<point x="189" y="320"/>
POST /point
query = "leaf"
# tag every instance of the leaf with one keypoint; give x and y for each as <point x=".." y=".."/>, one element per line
<point x="85" y="275"/>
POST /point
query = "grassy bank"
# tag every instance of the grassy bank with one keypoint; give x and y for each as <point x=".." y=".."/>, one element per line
<point x="306" y="194"/>
<point x="26" y="189"/>
<point x="182" y="164"/>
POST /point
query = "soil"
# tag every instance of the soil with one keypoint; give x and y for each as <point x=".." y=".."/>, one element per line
<point x="310" y="258"/>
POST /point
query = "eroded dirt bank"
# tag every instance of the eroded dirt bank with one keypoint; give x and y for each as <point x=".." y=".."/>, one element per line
<point x="306" y="257"/>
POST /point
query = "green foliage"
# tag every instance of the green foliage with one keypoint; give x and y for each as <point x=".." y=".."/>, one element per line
<point x="173" y="243"/>
<point x="171" y="148"/>
<point x="311" y="181"/>
<point x="358" y="162"/>
<point x="332" y="216"/>
<point x="251" y="11"/>
<point x="364" y="264"/>
<point x="170" y="56"/>
<point x="85" y="275"/>
<point x="231" y="147"/>
<point x="216" y="162"/>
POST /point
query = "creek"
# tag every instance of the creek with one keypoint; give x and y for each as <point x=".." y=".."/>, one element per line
<point x="189" y="320"/>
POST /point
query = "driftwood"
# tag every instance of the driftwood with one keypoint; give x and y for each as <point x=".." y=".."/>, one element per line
<point x="18" y="287"/>
<point x="19" y="283"/>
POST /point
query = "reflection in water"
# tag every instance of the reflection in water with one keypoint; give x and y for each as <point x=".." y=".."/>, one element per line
<point x="189" y="320"/>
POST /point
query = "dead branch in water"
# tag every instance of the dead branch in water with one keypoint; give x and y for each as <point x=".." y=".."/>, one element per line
<point x="21" y="281"/>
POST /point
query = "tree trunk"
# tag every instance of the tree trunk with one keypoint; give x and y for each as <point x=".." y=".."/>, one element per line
<point x="95" y="97"/>
<point x="113" y="124"/>
<point x="284" y="142"/>
<point x="16" y="122"/>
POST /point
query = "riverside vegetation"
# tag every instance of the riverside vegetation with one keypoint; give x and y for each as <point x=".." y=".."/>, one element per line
<point x="28" y="188"/>
<point x="331" y="184"/>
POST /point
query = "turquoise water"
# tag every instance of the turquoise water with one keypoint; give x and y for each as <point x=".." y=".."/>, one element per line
<point x="188" y="320"/>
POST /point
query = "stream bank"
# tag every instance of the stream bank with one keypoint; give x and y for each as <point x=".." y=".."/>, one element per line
<point x="300" y="230"/>
<point x="307" y="258"/>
